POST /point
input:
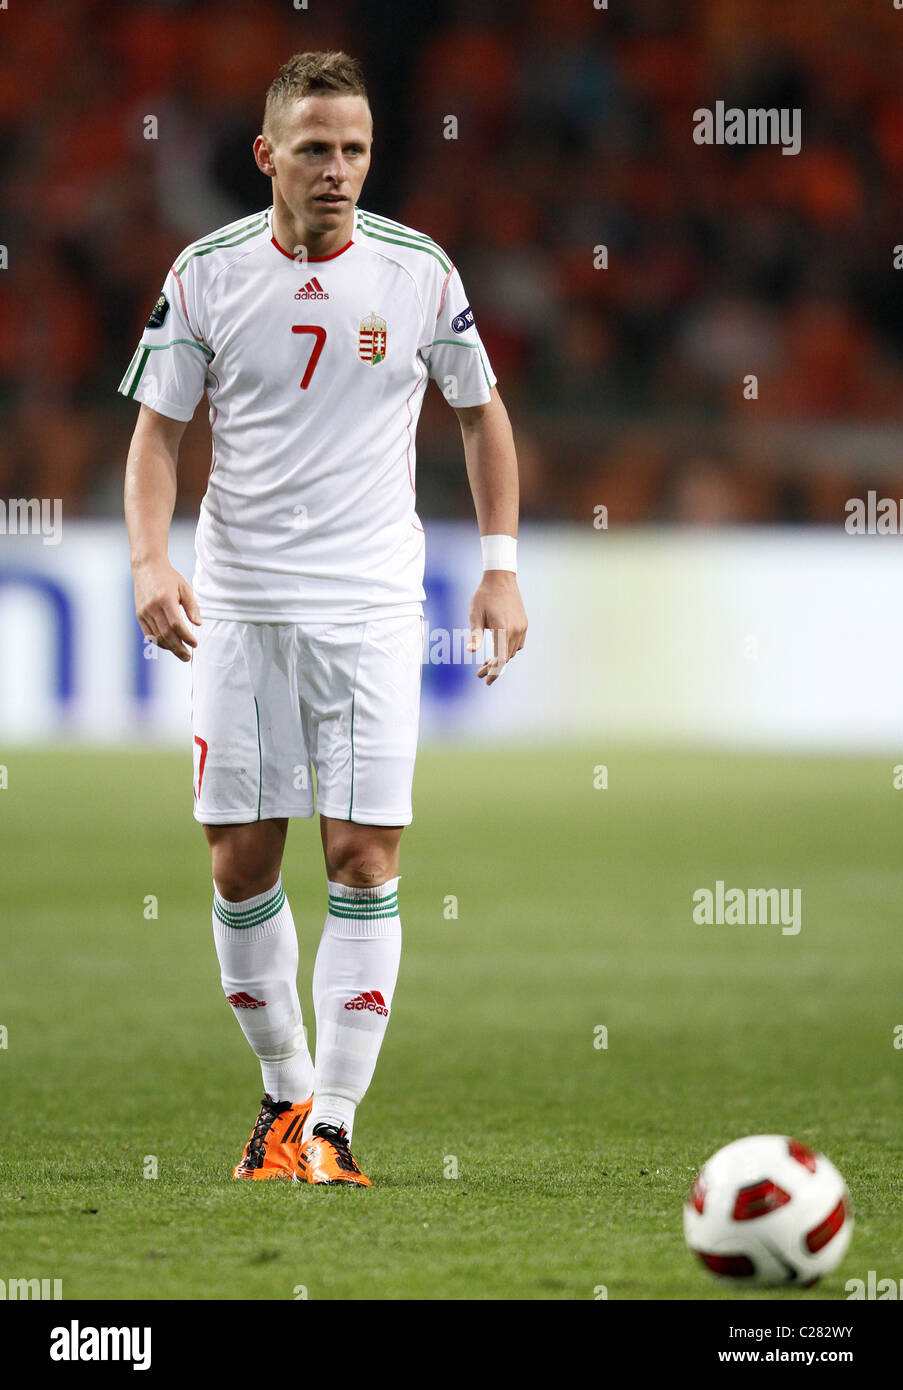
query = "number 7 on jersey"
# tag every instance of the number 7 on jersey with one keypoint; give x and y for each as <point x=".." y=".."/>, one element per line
<point x="320" y="339"/>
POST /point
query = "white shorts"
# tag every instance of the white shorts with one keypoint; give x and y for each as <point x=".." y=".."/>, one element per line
<point x="270" y="701"/>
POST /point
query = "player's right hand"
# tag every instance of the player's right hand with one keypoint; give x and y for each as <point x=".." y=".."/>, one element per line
<point x="160" y="595"/>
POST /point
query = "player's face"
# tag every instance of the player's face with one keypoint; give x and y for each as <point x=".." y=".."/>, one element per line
<point x="320" y="157"/>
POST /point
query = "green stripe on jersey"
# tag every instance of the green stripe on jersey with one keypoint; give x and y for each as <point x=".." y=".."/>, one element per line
<point x="396" y="228"/>
<point x="231" y="229"/>
<point x="146" y="349"/>
<point x="474" y="347"/>
<point x="142" y="363"/>
<point x="385" y="226"/>
<point x="239" y="921"/>
<point x="205" y="248"/>
<point x="128" y="371"/>
<point x="430" y="248"/>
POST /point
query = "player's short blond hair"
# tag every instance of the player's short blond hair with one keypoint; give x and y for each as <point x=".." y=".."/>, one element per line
<point x="308" y="73"/>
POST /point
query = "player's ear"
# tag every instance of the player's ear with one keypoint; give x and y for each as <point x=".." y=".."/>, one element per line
<point x="263" y="155"/>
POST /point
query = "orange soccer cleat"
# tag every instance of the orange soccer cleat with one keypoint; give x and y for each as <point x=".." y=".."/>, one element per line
<point x="272" y="1150"/>
<point x="326" y="1158"/>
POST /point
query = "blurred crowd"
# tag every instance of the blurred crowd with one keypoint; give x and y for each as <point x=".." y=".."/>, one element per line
<point x="627" y="282"/>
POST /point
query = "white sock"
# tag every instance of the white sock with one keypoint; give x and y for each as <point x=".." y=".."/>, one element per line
<point x="257" y="948"/>
<point x="353" y="984"/>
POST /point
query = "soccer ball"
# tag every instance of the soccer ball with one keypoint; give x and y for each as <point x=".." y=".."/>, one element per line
<point x="766" y="1211"/>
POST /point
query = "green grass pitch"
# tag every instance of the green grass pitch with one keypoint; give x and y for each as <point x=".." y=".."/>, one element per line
<point x="573" y="911"/>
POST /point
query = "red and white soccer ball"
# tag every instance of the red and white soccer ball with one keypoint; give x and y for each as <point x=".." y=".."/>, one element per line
<point x="767" y="1211"/>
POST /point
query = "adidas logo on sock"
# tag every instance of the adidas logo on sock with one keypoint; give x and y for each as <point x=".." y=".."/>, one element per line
<point x="312" y="290"/>
<point x="245" y="1001"/>
<point x="371" y="1000"/>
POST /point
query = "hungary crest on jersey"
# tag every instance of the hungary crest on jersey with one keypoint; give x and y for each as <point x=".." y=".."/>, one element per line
<point x="371" y="339"/>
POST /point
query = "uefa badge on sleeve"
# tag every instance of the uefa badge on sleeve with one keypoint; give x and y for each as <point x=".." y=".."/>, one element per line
<point x="371" y="339"/>
<point x="159" y="312"/>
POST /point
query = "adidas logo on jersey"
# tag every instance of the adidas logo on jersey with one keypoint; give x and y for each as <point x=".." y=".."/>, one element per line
<point x="245" y="1001"/>
<point x="312" y="290"/>
<point x="371" y="1000"/>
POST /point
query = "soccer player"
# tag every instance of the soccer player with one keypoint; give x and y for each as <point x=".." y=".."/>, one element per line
<point x="313" y="327"/>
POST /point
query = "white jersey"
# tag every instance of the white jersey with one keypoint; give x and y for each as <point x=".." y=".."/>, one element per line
<point x="315" y="372"/>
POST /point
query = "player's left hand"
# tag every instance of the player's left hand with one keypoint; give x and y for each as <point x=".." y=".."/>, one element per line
<point x="497" y="607"/>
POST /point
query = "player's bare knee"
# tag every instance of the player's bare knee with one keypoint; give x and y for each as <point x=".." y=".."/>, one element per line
<point x="361" y="862"/>
<point x="245" y="862"/>
<point x="235" y="883"/>
<point x="362" y="872"/>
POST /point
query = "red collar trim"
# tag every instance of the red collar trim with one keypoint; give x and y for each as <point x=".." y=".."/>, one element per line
<point x="312" y="258"/>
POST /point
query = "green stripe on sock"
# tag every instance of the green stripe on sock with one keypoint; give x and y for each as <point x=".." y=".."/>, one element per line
<point x="257" y="915"/>
<point x="348" y="909"/>
<point x="363" y="909"/>
<point x="363" y="902"/>
<point x="362" y="916"/>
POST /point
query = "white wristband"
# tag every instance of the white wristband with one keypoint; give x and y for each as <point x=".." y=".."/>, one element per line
<point x="499" y="553"/>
